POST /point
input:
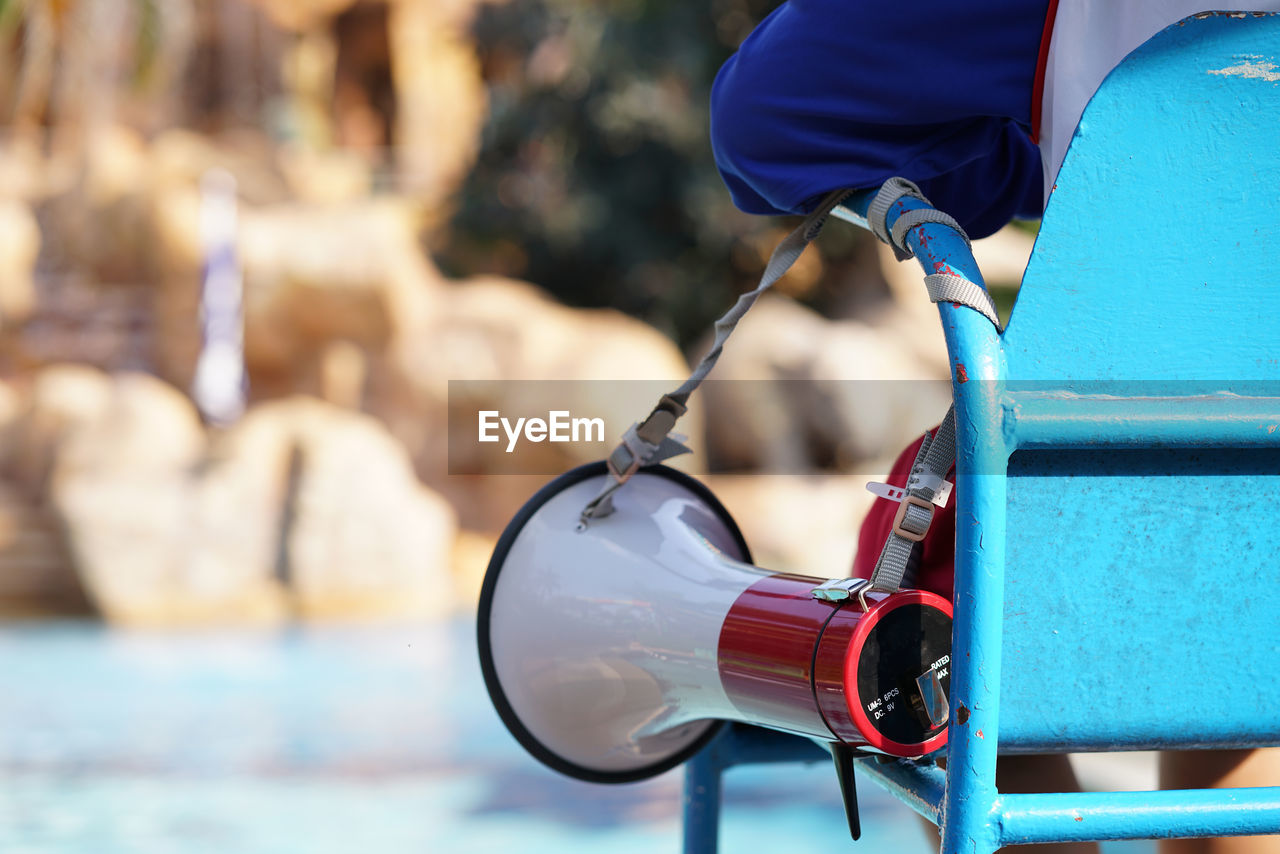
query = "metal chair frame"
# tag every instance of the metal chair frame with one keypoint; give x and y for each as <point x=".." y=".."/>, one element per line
<point x="1139" y="377"/>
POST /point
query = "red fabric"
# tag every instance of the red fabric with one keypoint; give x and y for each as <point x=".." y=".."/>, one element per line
<point x="1037" y="90"/>
<point x="937" y="558"/>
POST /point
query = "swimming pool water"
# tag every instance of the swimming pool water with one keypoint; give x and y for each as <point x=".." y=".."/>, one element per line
<point x="336" y="739"/>
<point x="331" y="739"/>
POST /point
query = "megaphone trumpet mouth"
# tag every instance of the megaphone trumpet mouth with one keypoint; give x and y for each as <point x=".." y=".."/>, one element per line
<point x="521" y="653"/>
<point x="614" y="653"/>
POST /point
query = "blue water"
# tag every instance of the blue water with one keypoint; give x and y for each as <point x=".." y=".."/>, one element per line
<point x="334" y="740"/>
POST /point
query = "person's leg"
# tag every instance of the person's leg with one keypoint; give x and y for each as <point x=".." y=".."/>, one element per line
<point x="1217" y="769"/>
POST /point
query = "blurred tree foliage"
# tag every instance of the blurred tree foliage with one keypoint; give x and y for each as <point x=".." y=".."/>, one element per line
<point x="595" y="178"/>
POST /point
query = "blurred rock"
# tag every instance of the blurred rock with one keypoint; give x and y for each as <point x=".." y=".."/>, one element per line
<point x="157" y="536"/>
<point x="795" y="392"/>
<point x="19" y="248"/>
<point x="1003" y="256"/>
<point x="301" y="508"/>
<point x="62" y="398"/>
<point x="170" y="549"/>
<point x="22" y="166"/>
<point x="344" y="370"/>
<point x="471" y="553"/>
<point x="36" y="573"/>
<point x="325" y="178"/>
<point x="141" y="425"/>
<point x="37" y="577"/>
<point x="180" y="158"/>
<point x="298" y="15"/>
<point x="315" y="275"/>
<point x="361" y="536"/>
<point x="507" y="346"/>
<point x="441" y="101"/>
<point x="104" y="220"/>
<point x="807" y="524"/>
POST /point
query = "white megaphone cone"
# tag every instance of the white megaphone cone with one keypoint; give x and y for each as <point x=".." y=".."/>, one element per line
<point x="612" y="652"/>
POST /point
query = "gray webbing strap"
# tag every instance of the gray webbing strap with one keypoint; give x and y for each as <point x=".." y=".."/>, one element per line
<point x="942" y="287"/>
<point x="933" y="461"/>
<point x="784" y="255"/>
<point x="937" y="452"/>
<point x="890" y="192"/>
<point x="948" y="287"/>
<point x="648" y="442"/>
<point x="921" y="216"/>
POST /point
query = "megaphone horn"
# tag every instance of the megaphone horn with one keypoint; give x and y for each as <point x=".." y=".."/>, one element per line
<point x="613" y="652"/>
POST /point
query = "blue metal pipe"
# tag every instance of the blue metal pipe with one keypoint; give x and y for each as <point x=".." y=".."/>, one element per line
<point x="737" y="744"/>
<point x="702" y="803"/>
<point x="982" y="454"/>
<point x="1029" y="819"/>
<point x="938" y="249"/>
<point x="1045" y="419"/>
<point x="920" y="787"/>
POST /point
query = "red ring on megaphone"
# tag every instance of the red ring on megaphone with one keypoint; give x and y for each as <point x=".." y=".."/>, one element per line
<point x="833" y="671"/>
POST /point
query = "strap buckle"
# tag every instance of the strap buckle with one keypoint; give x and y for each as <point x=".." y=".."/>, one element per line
<point x="620" y="470"/>
<point x="901" y="515"/>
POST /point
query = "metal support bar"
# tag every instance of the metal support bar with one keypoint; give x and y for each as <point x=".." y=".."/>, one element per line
<point x="1029" y="819"/>
<point x="737" y="744"/>
<point x="977" y="369"/>
<point x="1047" y="419"/>
<point x="920" y="787"/>
<point x="702" y="803"/>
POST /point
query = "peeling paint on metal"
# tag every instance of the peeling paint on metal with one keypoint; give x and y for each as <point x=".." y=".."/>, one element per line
<point x="1254" y="67"/>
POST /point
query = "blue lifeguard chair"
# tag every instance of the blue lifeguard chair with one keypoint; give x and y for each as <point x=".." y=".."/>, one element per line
<point x="1118" y="450"/>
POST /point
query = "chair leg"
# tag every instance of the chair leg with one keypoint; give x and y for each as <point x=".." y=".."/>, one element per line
<point x="702" y="803"/>
<point x="968" y="823"/>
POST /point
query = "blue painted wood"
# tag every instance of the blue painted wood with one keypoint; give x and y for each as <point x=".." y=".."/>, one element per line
<point x="1141" y="596"/>
<point x="1153" y="260"/>
<point x="1149" y="274"/>
<point x="1142" y="605"/>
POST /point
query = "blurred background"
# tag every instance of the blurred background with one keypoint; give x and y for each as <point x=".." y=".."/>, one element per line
<point x="245" y="245"/>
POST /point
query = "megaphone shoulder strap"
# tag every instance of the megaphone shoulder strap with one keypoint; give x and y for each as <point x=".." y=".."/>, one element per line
<point x="933" y="462"/>
<point x="651" y="441"/>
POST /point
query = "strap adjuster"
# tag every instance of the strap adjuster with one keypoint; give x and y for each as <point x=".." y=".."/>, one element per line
<point x="630" y="454"/>
<point x="900" y="517"/>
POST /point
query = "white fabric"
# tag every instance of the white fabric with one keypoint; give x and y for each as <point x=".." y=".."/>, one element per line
<point x="1090" y="38"/>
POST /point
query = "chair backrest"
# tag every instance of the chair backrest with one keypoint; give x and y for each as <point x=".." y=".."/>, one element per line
<point x="1142" y="578"/>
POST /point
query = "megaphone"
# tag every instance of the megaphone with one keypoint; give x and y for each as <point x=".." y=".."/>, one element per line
<point x="613" y="651"/>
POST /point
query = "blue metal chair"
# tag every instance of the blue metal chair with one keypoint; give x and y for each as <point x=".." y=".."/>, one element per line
<point x="1118" y="447"/>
